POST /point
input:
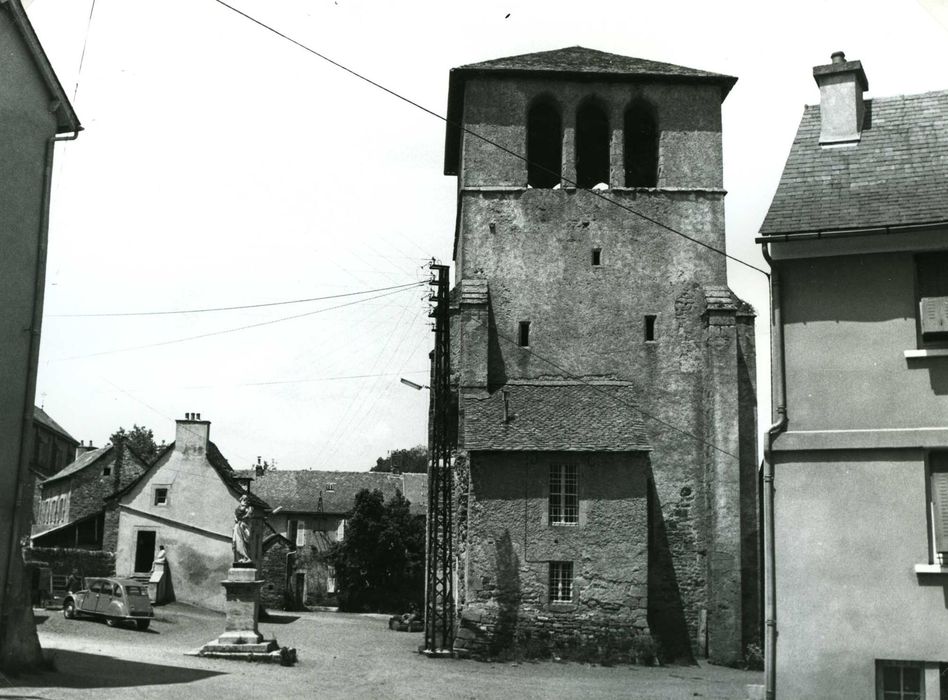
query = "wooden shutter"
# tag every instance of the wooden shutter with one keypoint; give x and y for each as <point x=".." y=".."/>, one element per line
<point x="940" y="508"/>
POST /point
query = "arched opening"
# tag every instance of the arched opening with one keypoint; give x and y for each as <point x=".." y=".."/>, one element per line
<point x="592" y="145"/>
<point x="641" y="145"/>
<point x="544" y="144"/>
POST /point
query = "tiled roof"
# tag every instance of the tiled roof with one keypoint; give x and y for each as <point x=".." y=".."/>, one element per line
<point x="555" y="415"/>
<point x="42" y="417"/>
<point x="307" y="491"/>
<point x="896" y="175"/>
<point x="81" y="462"/>
<point x="578" y="59"/>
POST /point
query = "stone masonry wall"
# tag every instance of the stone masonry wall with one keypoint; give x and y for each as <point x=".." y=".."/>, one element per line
<point x="509" y="546"/>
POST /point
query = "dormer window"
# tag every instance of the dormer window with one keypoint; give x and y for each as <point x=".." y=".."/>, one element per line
<point x="544" y="144"/>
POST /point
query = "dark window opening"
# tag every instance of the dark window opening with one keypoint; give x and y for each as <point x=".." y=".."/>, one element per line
<point x="641" y="145"/>
<point x="592" y="146"/>
<point x="544" y="145"/>
<point x="161" y="497"/>
<point x="524" y="339"/>
<point x="931" y="274"/>
<point x="106" y="470"/>
<point x="650" y="328"/>
<point x="597" y="256"/>
<point x="899" y="680"/>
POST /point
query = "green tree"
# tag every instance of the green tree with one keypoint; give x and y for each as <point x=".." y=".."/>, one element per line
<point x="413" y="461"/>
<point x="140" y="439"/>
<point x="380" y="564"/>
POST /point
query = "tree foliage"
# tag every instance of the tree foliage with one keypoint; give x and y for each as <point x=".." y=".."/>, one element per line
<point x="413" y="461"/>
<point x="380" y="563"/>
<point x="140" y="439"/>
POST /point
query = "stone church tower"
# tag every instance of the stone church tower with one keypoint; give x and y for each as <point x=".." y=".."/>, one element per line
<point x="606" y="471"/>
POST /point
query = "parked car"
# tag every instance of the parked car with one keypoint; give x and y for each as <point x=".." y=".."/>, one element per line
<point x="117" y="600"/>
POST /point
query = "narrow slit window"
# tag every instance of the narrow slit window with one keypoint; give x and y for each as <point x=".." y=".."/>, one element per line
<point x="596" y="257"/>
<point x="524" y="339"/>
<point x="650" y="328"/>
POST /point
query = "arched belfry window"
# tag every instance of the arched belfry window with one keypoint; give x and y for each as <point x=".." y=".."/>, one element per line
<point x="544" y="144"/>
<point x="641" y="145"/>
<point x="592" y="145"/>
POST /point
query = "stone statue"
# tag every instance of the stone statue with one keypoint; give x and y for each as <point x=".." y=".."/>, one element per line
<point x="243" y="523"/>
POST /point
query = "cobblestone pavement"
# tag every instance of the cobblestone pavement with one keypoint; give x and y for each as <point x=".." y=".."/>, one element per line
<point x="341" y="656"/>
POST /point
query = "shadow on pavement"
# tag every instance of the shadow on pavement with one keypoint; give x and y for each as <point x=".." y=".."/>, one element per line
<point x="272" y="619"/>
<point x="40" y="619"/>
<point x="79" y="670"/>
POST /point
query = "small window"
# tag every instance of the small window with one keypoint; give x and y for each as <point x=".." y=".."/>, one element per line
<point x="107" y="470"/>
<point x="899" y="680"/>
<point x="331" y="580"/>
<point x="938" y="506"/>
<point x="301" y="535"/>
<point x="564" y="495"/>
<point x="561" y="582"/>
<point x="931" y="278"/>
<point x="650" y="328"/>
<point x="596" y="257"/>
<point x="161" y="496"/>
<point x="331" y="486"/>
<point x="524" y="339"/>
<point x="292" y="528"/>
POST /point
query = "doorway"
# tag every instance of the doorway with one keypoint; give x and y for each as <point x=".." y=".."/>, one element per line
<point x="144" y="551"/>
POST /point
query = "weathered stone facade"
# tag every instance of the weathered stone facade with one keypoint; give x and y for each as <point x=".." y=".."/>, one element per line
<point x="631" y="320"/>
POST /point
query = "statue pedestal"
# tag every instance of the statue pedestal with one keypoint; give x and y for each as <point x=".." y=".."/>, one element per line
<point x="241" y="638"/>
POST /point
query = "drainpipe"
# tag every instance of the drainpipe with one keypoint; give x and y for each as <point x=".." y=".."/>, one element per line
<point x="36" y="322"/>
<point x="780" y="404"/>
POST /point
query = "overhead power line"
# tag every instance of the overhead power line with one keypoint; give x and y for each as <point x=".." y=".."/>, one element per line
<point x="491" y="142"/>
<point x="235" y="308"/>
<point x="239" y="328"/>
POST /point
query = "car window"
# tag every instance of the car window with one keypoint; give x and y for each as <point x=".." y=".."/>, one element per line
<point x="96" y="586"/>
<point x="134" y="590"/>
<point x="116" y="590"/>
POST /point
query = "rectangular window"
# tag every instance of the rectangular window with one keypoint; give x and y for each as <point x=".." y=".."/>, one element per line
<point x="931" y="283"/>
<point x="292" y="528"/>
<point x="301" y="535"/>
<point x="650" y="328"/>
<point x="161" y="496"/>
<point x="596" y="257"/>
<point x="331" y="581"/>
<point x="564" y="494"/>
<point x="330" y="487"/>
<point x="900" y="680"/>
<point x="561" y="582"/>
<point x="524" y="339"/>
<point x="106" y="470"/>
<point x="938" y="506"/>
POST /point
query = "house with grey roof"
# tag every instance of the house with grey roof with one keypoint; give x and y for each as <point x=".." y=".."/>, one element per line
<point x="856" y="464"/>
<point x="74" y="508"/>
<point x="603" y="370"/>
<point x="310" y="509"/>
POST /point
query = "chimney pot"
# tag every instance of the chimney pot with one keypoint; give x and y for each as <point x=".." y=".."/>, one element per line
<point x="198" y="416"/>
<point x="838" y="57"/>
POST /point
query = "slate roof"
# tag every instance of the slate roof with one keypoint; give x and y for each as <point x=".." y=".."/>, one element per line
<point x="560" y="415"/>
<point x="307" y="490"/>
<point x="573" y="62"/>
<point x="86" y="459"/>
<point x="66" y="118"/>
<point x="43" y="418"/>
<point x="896" y="175"/>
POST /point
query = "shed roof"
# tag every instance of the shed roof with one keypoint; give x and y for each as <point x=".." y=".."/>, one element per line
<point x="896" y="175"/>
<point x="66" y="118"/>
<point x="307" y="490"/>
<point x="558" y="415"/>
<point x="572" y="62"/>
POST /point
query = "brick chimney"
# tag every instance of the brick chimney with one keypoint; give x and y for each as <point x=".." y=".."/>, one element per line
<point x="191" y="435"/>
<point x="842" y="108"/>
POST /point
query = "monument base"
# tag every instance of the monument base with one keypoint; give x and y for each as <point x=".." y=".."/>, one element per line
<point x="241" y="638"/>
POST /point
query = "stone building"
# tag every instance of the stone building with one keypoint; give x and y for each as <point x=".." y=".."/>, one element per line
<point x="53" y="449"/>
<point x="310" y="512"/>
<point x="184" y="502"/>
<point x="604" y="371"/>
<point x="74" y="504"/>
<point x="858" y="237"/>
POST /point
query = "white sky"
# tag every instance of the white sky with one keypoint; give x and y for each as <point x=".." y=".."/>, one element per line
<point x="221" y="165"/>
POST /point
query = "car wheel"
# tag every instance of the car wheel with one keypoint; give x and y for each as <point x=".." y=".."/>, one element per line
<point x="111" y="622"/>
<point x="142" y="625"/>
<point x="69" y="611"/>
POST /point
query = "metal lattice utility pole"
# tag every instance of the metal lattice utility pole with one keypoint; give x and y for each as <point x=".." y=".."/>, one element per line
<point x="439" y="559"/>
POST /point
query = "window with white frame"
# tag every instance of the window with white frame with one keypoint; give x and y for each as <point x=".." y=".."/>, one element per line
<point x="300" y="533"/>
<point x="564" y="494"/>
<point x="161" y="496"/>
<point x="900" y="680"/>
<point x="561" y="582"/>
<point x="931" y="284"/>
<point x="938" y="505"/>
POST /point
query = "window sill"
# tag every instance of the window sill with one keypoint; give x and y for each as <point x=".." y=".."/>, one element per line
<point x="931" y="569"/>
<point x="934" y="352"/>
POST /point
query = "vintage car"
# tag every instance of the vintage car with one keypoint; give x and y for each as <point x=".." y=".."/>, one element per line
<point x="115" y="599"/>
